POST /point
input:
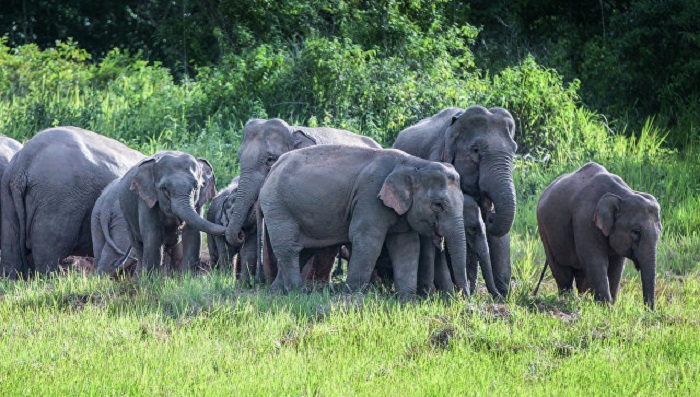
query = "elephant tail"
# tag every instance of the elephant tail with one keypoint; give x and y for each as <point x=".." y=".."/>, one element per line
<point x="544" y="270"/>
<point x="18" y="186"/>
<point x="104" y="225"/>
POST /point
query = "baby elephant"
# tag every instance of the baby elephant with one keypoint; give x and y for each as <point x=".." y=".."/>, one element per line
<point x="589" y="222"/>
<point x="328" y="195"/>
<point x="161" y="199"/>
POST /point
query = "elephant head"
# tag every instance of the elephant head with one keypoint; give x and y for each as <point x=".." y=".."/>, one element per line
<point x="632" y="225"/>
<point x="180" y="185"/>
<point x="431" y="200"/>
<point x="479" y="143"/>
<point x="264" y="141"/>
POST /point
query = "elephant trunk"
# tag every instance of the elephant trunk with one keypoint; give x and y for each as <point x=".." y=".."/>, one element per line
<point x="249" y="186"/>
<point x="648" y="269"/>
<point x="481" y="249"/>
<point x="184" y="209"/>
<point x="497" y="183"/>
<point x="456" y="242"/>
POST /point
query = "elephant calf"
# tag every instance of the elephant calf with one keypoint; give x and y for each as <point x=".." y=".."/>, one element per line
<point x="589" y="222"/>
<point x="162" y="199"/>
<point x="328" y="195"/>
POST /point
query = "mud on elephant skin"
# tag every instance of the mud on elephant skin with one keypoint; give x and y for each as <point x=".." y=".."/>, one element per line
<point x="264" y="141"/>
<point x="589" y="221"/>
<point x="337" y="195"/>
<point x="71" y="166"/>
<point x="479" y="143"/>
<point x="162" y="199"/>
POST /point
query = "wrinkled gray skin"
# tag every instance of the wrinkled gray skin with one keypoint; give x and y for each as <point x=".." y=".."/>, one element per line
<point x="220" y="251"/>
<point x="162" y="197"/>
<point x="479" y="143"/>
<point x="110" y="235"/>
<point x="48" y="191"/>
<point x="8" y="148"/>
<point x="589" y="222"/>
<point x="477" y="252"/>
<point x="264" y="141"/>
<point x="327" y="195"/>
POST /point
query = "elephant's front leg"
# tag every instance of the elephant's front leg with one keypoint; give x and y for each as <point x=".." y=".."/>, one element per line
<point x="249" y="260"/>
<point x="367" y="240"/>
<point x="426" y="266"/>
<point x="191" y="244"/>
<point x="499" y="250"/>
<point x="443" y="276"/>
<point x="151" y="230"/>
<point x="404" y="251"/>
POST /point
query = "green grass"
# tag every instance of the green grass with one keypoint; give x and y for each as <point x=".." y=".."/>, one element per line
<point x="203" y="335"/>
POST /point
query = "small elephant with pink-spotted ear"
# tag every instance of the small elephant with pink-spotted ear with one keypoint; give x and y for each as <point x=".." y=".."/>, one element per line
<point x="162" y="199"/>
<point x="589" y="221"/>
<point x="328" y="195"/>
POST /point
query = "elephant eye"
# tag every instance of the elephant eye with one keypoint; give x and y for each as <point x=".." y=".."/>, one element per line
<point x="636" y="235"/>
<point x="165" y="191"/>
<point x="271" y="160"/>
<point x="438" y="206"/>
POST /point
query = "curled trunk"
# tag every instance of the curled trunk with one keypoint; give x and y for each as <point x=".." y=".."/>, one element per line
<point x="484" y="257"/>
<point x="184" y="209"/>
<point x="497" y="183"/>
<point x="249" y="186"/>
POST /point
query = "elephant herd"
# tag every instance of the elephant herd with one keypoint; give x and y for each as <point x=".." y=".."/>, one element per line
<point x="423" y="215"/>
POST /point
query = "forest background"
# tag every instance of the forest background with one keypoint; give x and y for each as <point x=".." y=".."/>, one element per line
<point x="617" y="82"/>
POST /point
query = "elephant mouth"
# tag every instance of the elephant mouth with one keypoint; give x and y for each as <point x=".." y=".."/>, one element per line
<point x="439" y="240"/>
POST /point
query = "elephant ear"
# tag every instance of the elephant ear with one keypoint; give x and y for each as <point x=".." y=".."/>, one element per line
<point x="301" y="140"/>
<point x="397" y="189"/>
<point x="209" y="188"/>
<point x="143" y="182"/>
<point x="605" y="212"/>
<point x="450" y="142"/>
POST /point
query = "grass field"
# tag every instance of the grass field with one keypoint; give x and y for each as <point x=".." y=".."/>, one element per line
<point x="203" y="335"/>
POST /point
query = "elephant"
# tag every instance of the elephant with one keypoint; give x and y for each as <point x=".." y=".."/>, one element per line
<point x="589" y="221"/>
<point x="328" y="195"/>
<point x="477" y="253"/>
<point x="110" y="235"/>
<point x="48" y="191"/>
<point x="8" y="148"/>
<point x="264" y="141"/>
<point x="479" y="143"/>
<point x="243" y="258"/>
<point x="162" y="199"/>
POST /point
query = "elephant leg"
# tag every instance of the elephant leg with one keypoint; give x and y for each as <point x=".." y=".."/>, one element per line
<point x="443" y="277"/>
<point x="499" y="248"/>
<point x="284" y="236"/>
<point x="248" y="261"/>
<point x="582" y="284"/>
<point x="367" y="240"/>
<point x="472" y="272"/>
<point x="191" y="244"/>
<point x="404" y="252"/>
<point x="48" y="248"/>
<point x="564" y="277"/>
<point x="615" y="268"/>
<point x="151" y="230"/>
<point x="269" y="260"/>
<point x="426" y="266"/>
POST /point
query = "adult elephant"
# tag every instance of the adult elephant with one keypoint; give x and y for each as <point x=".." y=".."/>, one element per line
<point x="48" y="191"/>
<point x="8" y="148"/>
<point x="162" y="198"/>
<point x="264" y="141"/>
<point x="479" y="143"/>
<point x="589" y="222"/>
<point x="329" y="195"/>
